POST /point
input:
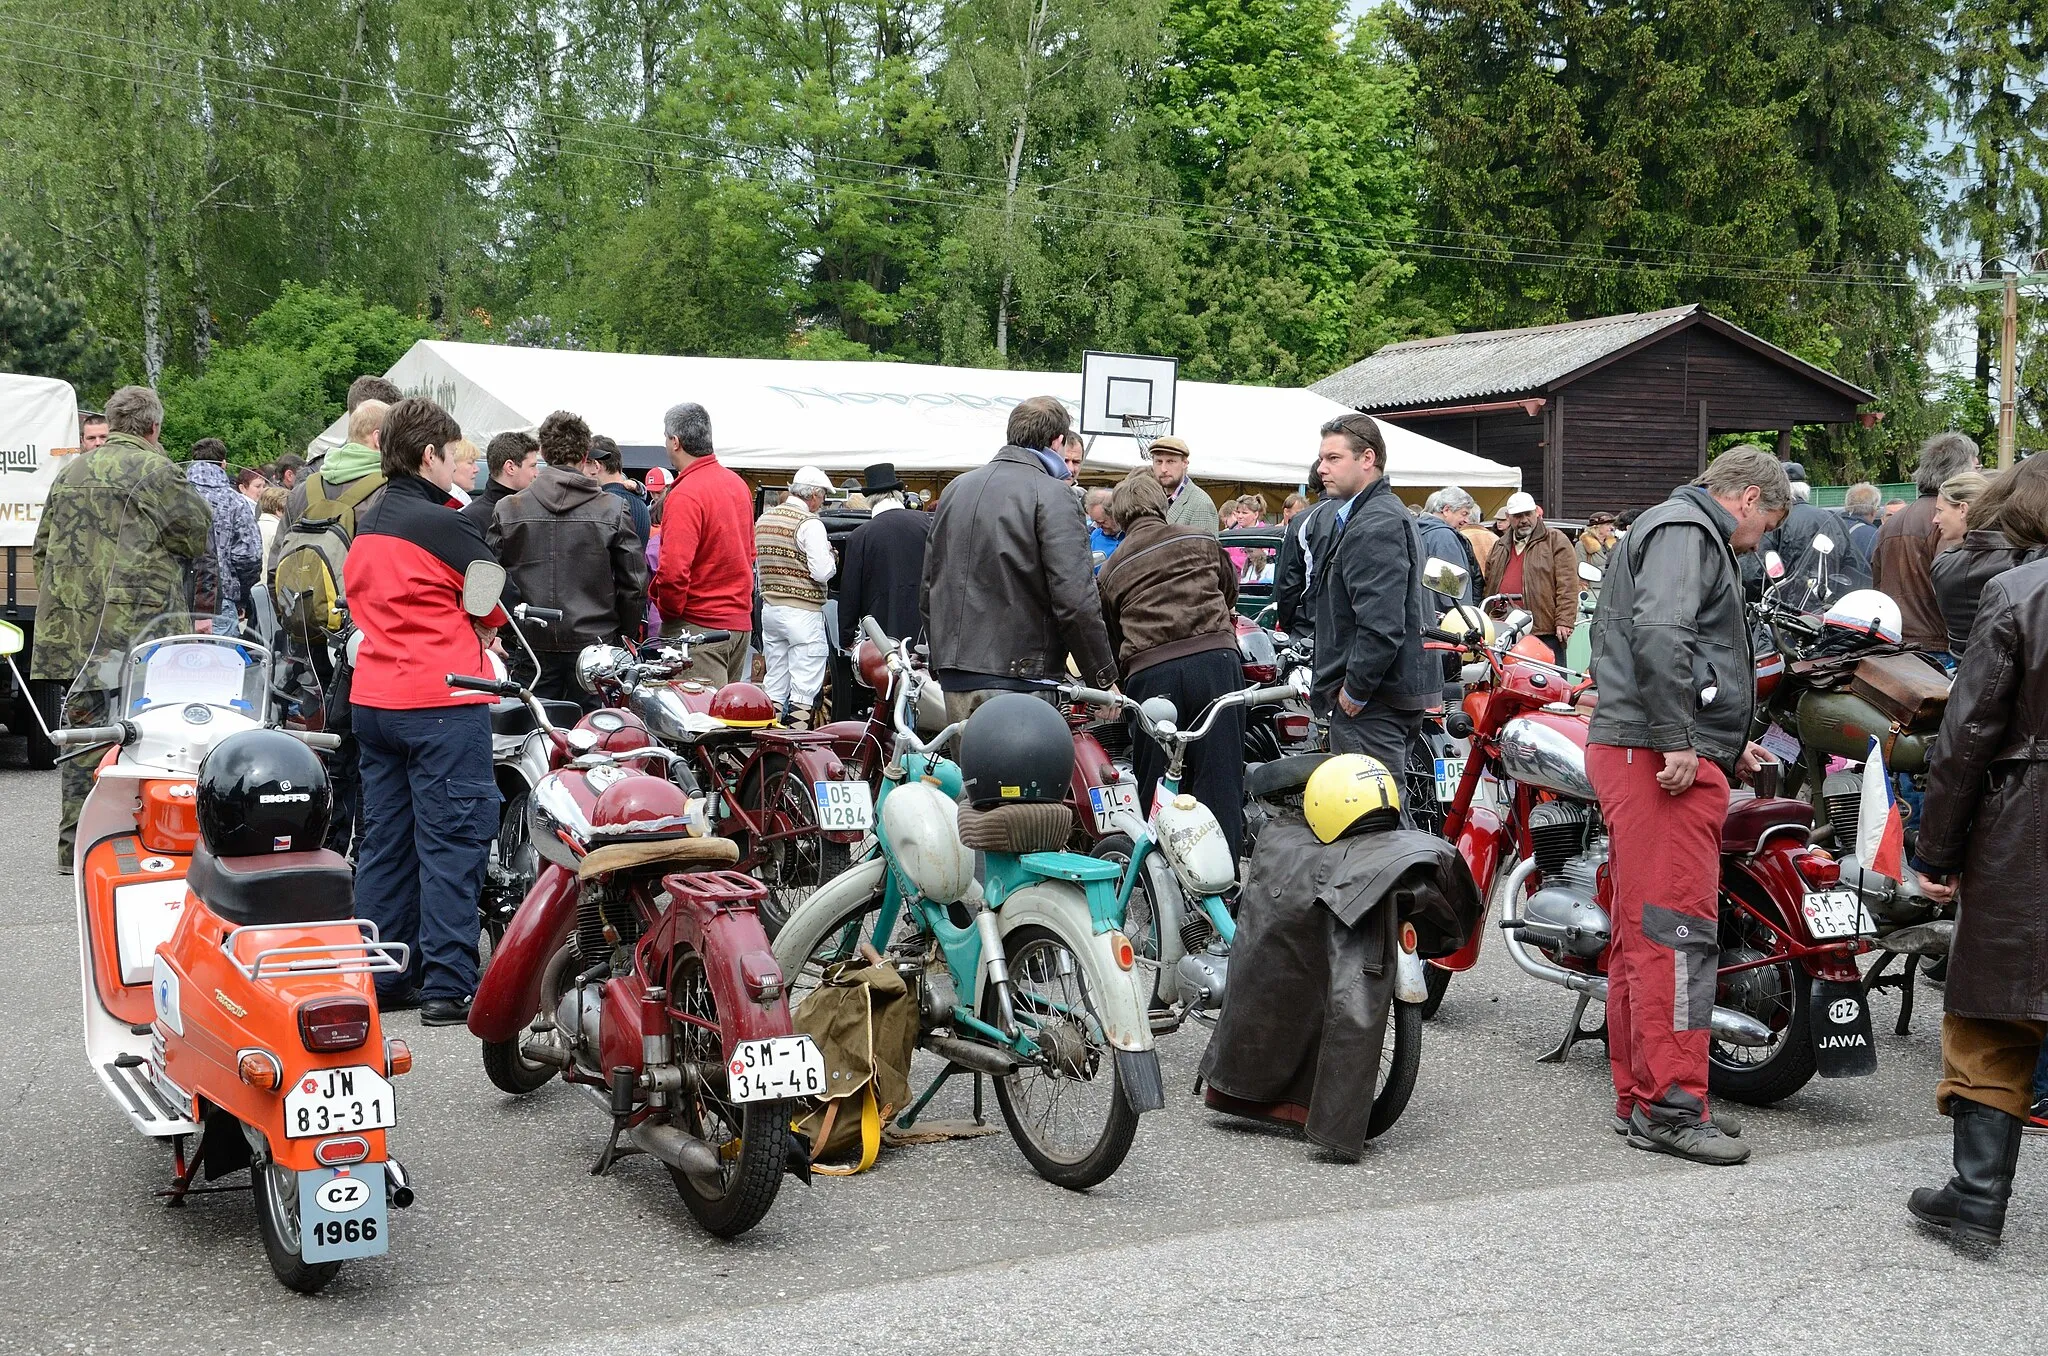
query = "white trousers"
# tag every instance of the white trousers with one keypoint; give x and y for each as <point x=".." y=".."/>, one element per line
<point x="793" y="642"/>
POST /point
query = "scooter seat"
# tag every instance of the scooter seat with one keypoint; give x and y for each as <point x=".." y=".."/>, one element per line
<point x="290" y="887"/>
<point x="1283" y="776"/>
<point x="1748" y="821"/>
<point x="512" y="718"/>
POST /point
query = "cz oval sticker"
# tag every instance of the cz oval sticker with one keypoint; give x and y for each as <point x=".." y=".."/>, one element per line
<point x="343" y="1195"/>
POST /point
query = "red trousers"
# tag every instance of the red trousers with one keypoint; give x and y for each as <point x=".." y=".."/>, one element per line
<point x="1663" y="961"/>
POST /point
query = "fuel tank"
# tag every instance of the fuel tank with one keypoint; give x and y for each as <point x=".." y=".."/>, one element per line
<point x="1548" y="749"/>
<point x="1843" y="724"/>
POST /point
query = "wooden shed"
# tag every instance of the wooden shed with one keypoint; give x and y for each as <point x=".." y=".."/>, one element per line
<point x="1598" y="414"/>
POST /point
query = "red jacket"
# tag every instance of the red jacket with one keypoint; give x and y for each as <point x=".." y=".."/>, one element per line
<point x="705" y="576"/>
<point x="403" y="581"/>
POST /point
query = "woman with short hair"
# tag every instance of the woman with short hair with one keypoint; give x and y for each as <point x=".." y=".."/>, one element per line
<point x="1168" y="598"/>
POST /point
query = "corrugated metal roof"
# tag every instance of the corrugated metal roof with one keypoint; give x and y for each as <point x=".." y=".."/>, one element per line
<point x="1490" y="363"/>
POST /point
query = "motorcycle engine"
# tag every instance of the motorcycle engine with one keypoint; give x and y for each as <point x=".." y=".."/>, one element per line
<point x="605" y="923"/>
<point x="1564" y="917"/>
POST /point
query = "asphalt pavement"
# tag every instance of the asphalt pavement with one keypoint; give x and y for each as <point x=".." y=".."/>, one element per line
<point x="1498" y="1213"/>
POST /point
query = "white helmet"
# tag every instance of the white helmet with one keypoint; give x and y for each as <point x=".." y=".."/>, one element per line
<point x="1866" y="612"/>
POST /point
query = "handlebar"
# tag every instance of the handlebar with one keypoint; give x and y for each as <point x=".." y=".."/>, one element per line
<point x="495" y="686"/>
<point x="707" y="637"/>
<point x="316" y="739"/>
<point x="1433" y="633"/>
<point x="91" y="734"/>
<point x="872" y="629"/>
<point x="544" y="615"/>
<point x="1090" y="696"/>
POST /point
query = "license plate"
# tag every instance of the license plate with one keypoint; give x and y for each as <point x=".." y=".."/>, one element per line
<point x="339" y="1101"/>
<point x="1107" y="800"/>
<point x="777" y="1068"/>
<point x="1836" y="913"/>
<point x="845" y="807"/>
<point x="342" y="1213"/>
<point x="1449" y="772"/>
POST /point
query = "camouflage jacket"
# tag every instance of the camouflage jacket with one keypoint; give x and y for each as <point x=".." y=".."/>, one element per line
<point x="123" y="539"/>
<point x="237" y="545"/>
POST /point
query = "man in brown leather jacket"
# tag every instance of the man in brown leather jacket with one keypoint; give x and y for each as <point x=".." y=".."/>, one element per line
<point x="1009" y="582"/>
<point x="1535" y="563"/>
<point x="569" y="545"/>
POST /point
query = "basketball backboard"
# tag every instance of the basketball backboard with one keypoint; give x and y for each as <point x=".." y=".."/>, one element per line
<point x="1124" y="394"/>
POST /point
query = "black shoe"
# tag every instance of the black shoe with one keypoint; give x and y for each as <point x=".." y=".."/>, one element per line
<point x="1696" y="1142"/>
<point x="444" y="1011"/>
<point x="1970" y="1209"/>
<point x="405" y="1001"/>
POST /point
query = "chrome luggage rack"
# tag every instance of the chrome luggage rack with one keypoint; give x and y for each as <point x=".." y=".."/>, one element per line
<point x="371" y="955"/>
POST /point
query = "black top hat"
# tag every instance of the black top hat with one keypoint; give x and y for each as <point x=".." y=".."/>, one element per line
<point x="881" y="478"/>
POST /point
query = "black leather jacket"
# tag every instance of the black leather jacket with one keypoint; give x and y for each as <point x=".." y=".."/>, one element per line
<point x="1009" y="581"/>
<point x="1671" y="634"/>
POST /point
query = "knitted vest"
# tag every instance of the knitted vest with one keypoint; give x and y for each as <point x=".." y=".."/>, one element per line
<point x="785" y="570"/>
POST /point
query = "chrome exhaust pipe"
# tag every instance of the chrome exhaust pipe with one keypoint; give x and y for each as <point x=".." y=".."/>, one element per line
<point x="1735" y="1028"/>
<point x="678" y="1148"/>
<point x="397" y="1189"/>
<point x="971" y="1056"/>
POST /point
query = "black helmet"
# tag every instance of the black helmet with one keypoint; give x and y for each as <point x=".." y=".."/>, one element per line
<point x="262" y="791"/>
<point x="1015" y="749"/>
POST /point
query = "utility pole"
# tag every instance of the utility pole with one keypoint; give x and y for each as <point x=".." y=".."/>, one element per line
<point x="2008" y="284"/>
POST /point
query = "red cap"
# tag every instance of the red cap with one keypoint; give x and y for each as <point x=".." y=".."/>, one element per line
<point x="656" y="480"/>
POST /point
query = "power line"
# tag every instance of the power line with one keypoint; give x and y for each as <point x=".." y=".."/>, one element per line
<point x="216" y="85"/>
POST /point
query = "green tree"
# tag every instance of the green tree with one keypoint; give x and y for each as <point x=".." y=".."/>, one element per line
<point x="273" y="392"/>
<point x="43" y="330"/>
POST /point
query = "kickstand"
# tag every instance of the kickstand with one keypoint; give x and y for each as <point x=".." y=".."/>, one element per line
<point x="1575" y="1034"/>
<point x="910" y="1114"/>
<point x="1904" y="981"/>
<point x="979" y="1119"/>
<point x="622" y="1115"/>
<point x="186" y="1169"/>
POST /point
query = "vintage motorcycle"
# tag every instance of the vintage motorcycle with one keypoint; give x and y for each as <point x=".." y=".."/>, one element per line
<point x="1789" y="999"/>
<point x="637" y="970"/>
<point x="787" y="798"/>
<point x="229" y="1007"/>
<point x="1027" y="981"/>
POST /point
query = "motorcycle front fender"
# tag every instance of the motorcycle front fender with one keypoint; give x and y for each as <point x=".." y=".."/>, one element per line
<point x="1062" y="909"/>
<point x="508" y="995"/>
<point x="739" y="964"/>
<point x="833" y="900"/>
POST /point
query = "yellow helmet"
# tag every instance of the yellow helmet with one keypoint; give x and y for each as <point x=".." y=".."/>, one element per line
<point x="1472" y="623"/>
<point x="1348" y="792"/>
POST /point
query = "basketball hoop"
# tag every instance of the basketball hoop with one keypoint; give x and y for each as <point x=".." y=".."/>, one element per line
<point x="1147" y="429"/>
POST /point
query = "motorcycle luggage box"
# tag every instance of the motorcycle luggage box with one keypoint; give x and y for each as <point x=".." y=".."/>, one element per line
<point x="1903" y="687"/>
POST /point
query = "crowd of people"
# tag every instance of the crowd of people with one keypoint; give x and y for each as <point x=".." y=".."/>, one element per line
<point x="1021" y="578"/>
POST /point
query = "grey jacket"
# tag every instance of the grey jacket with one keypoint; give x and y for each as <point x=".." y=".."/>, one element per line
<point x="1671" y="648"/>
<point x="1009" y="582"/>
<point x="1370" y="608"/>
<point x="1193" y="507"/>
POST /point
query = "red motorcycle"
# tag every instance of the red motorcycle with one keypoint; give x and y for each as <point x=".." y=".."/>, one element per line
<point x="637" y="968"/>
<point x="1525" y="817"/>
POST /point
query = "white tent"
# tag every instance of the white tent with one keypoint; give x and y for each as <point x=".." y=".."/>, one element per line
<point x="773" y="415"/>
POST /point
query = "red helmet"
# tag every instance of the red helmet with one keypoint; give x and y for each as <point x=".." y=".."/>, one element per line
<point x="617" y="731"/>
<point x="638" y="806"/>
<point x="743" y="706"/>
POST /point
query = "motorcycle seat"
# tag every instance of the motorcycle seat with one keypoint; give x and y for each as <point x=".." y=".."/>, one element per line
<point x="512" y="717"/>
<point x="1749" y="822"/>
<point x="1283" y="776"/>
<point x="631" y="852"/>
<point x="288" y="887"/>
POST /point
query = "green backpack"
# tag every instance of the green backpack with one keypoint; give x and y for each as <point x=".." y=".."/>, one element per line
<point x="312" y="552"/>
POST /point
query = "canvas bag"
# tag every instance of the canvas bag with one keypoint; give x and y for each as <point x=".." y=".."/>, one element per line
<point x="312" y="552"/>
<point x="864" y="1020"/>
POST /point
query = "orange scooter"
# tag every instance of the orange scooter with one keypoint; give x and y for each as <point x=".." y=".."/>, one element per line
<point x="229" y="1007"/>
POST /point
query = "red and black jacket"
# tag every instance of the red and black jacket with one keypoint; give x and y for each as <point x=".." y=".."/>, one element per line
<point x="403" y="581"/>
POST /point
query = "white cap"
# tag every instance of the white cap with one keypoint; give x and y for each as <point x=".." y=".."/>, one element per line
<point x="809" y="478"/>
<point x="1521" y="501"/>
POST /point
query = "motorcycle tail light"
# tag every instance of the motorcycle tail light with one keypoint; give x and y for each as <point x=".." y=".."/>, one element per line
<point x="1120" y="946"/>
<point x="344" y="1149"/>
<point x="1262" y="673"/>
<point x="334" y="1023"/>
<point x="1408" y="938"/>
<point x="1295" y="728"/>
<point x="1818" y="869"/>
<point x="397" y="1058"/>
<point x="260" y="1069"/>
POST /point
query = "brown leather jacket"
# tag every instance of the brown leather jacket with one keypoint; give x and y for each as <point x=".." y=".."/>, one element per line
<point x="568" y="544"/>
<point x="1550" y="578"/>
<point x="1902" y="565"/>
<point x="1985" y="792"/>
<point x="1169" y="591"/>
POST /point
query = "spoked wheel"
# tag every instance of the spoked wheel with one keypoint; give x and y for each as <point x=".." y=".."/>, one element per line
<point x="1400" y="1063"/>
<point x="513" y="867"/>
<point x="277" y="1218"/>
<point x="1778" y="995"/>
<point x="752" y="1138"/>
<point x="795" y="856"/>
<point x="1420" y="787"/>
<point x="1067" y="1110"/>
<point x="1437" y="981"/>
<point x="508" y="1069"/>
<point x="1141" y="915"/>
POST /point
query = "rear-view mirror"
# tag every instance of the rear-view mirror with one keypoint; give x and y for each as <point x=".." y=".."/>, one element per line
<point x="483" y="584"/>
<point x="1823" y="543"/>
<point x="1443" y="578"/>
<point x="11" y="639"/>
<point x="1592" y="574"/>
<point x="1774" y="565"/>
